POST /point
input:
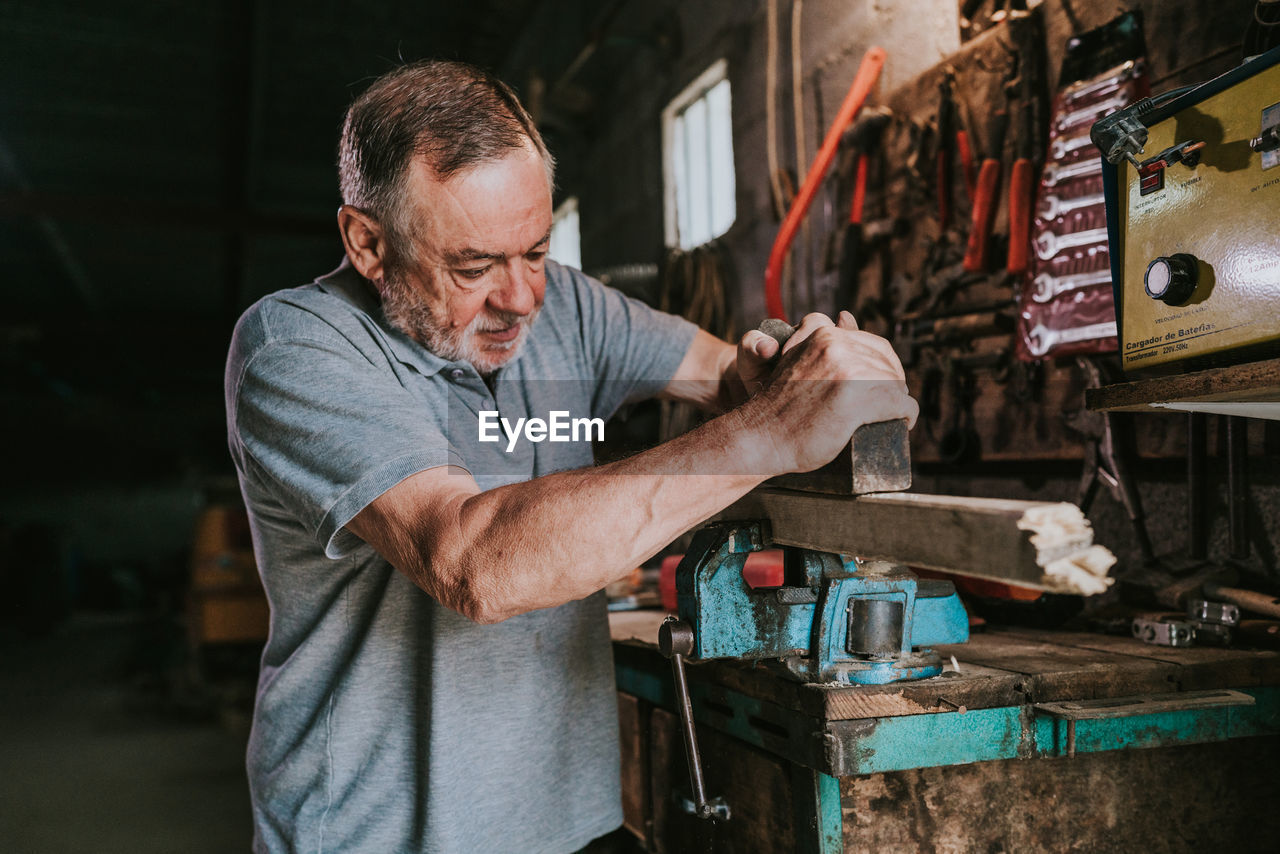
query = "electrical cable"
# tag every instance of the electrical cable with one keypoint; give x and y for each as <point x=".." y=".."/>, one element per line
<point x="802" y="265"/>
<point x="1263" y="30"/>
<point x="771" y="122"/>
<point x="771" y="106"/>
<point x="694" y="286"/>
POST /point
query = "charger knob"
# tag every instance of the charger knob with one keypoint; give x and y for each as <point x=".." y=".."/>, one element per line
<point x="1172" y="279"/>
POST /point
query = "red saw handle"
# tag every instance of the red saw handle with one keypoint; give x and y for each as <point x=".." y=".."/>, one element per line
<point x="1020" y="188"/>
<point x="867" y="76"/>
<point x="984" y="214"/>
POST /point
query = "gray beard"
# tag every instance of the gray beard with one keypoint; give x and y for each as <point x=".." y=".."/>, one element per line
<point x="409" y="314"/>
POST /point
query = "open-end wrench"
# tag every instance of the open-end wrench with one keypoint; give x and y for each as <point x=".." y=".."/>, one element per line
<point x="1052" y="207"/>
<point x="1049" y="244"/>
<point x="1083" y="90"/>
<point x="1091" y="112"/>
<point x="1055" y="174"/>
<point x="1046" y="287"/>
<point x="1062" y="146"/>
<point x="1041" y="339"/>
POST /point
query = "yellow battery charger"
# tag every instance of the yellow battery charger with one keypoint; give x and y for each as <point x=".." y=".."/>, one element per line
<point x="1194" y="226"/>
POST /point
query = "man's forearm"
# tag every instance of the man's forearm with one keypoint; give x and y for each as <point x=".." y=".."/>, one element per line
<point x="707" y="376"/>
<point x="561" y="537"/>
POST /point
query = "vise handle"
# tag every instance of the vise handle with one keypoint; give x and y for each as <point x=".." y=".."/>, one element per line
<point x="675" y="641"/>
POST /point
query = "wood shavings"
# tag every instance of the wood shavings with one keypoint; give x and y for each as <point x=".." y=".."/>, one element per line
<point x="1063" y="539"/>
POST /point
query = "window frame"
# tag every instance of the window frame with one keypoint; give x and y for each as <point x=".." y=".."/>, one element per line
<point x="699" y="89"/>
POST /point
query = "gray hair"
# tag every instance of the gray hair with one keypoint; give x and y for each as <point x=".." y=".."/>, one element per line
<point x="451" y="114"/>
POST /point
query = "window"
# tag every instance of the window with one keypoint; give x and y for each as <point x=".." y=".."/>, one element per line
<point x="566" y="238"/>
<point x="697" y="155"/>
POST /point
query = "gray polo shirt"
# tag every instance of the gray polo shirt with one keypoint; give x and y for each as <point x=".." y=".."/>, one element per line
<point x="384" y="721"/>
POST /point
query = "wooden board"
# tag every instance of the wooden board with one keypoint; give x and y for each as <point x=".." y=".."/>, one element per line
<point x="980" y="537"/>
<point x="1254" y="381"/>
<point x="1195" y="668"/>
<point x="1000" y="667"/>
<point x="1056" y="672"/>
<point x="633" y="736"/>
<point x="759" y="786"/>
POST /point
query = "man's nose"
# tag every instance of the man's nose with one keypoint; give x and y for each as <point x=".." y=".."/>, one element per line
<point x="517" y="293"/>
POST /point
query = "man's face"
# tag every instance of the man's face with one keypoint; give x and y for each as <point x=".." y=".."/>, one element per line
<point x="477" y="281"/>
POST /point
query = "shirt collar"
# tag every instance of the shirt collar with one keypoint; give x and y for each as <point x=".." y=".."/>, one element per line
<point x="347" y="283"/>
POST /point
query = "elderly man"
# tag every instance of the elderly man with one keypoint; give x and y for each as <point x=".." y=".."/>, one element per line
<point x="438" y="675"/>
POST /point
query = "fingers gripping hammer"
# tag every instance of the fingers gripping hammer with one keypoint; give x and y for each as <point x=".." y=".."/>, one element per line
<point x="877" y="457"/>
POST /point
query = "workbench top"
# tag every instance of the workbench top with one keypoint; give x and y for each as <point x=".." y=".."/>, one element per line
<point x="998" y="667"/>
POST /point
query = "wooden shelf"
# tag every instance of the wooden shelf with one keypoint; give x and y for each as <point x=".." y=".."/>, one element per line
<point x="1251" y="390"/>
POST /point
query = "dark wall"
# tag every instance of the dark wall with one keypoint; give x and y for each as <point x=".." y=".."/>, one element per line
<point x="619" y="184"/>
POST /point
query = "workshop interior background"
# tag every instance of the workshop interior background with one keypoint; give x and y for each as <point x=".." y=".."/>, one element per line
<point x="163" y="164"/>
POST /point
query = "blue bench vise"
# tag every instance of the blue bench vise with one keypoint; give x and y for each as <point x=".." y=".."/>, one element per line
<point x="834" y="619"/>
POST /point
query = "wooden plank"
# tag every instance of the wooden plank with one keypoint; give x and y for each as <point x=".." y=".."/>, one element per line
<point x="1254" y="381"/>
<point x="633" y="731"/>
<point x="1197" y="668"/>
<point x="1053" y="671"/>
<point x="999" y="667"/>
<point x="639" y="628"/>
<point x="1043" y="545"/>
<point x="974" y="687"/>
<point x="756" y="785"/>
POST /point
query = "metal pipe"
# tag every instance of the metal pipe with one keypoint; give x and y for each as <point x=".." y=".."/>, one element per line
<point x="1238" y="484"/>
<point x="1197" y="483"/>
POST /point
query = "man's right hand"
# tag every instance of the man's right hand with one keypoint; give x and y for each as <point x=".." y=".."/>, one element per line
<point x="829" y="380"/>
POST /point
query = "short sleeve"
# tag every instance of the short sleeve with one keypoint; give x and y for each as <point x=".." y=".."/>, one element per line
<point x="328" y="429"/>
<point x="635" y="349"/>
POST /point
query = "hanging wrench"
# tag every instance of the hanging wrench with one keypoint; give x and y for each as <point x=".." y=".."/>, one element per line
<point x="1049" y="244"/>
<point x="1052" y="207"/>
<point x="1055" y="174"/>
<point x="1042" y="339"/>
<point x="1047" y="287"/>
<point x="1120" y="75"/>
<point x="1091" y="112"/>
<point x="1062" y="147"/>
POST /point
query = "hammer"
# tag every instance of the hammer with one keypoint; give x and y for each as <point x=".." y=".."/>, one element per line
<point x="877" y="457"/>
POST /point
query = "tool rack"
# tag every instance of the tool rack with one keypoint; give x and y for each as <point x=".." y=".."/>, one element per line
<point x="1042" y="710"/>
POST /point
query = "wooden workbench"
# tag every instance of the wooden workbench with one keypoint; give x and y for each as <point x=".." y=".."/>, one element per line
<point x="985" y="757"/>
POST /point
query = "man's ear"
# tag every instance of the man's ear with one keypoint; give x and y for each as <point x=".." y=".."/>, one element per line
<point x="365" y="241"/>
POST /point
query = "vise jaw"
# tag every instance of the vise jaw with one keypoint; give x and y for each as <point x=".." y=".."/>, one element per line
<point x="833" y="619"/>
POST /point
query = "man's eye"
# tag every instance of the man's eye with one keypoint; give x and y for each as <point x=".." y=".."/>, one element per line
<point x="472" y="273"/>
<point x="536" y="256"/>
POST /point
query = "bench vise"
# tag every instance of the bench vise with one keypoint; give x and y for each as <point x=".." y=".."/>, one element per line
<point x="834" y="619"/>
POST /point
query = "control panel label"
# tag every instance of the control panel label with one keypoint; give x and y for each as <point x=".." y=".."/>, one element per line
<point x="1172" y="341"/>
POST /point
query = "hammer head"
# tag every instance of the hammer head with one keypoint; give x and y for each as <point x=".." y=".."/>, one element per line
<point x="877" y="457"/>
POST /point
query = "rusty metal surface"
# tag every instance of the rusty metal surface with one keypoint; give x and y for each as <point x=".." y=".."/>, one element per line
<point x="1218" y="797"/>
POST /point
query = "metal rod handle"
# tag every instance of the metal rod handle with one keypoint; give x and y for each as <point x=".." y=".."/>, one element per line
<point x="675" y="640"/>
<point x="1197" y="487"/>
<point x="690" y="738"/>
<point x="1238" y="485"/>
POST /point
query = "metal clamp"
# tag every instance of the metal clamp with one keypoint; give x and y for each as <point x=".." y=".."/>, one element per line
<point x="1148" y="704"/>
<point x="1204" y="611"/>
<point x="1164" y="632"/>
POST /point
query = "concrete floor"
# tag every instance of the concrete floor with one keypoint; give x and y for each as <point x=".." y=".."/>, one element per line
<point x="98" y="754"/>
